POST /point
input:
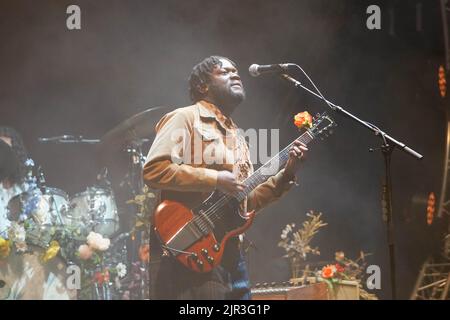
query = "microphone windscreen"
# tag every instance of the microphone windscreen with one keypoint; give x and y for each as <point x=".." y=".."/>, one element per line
<point x="253" y="70"/>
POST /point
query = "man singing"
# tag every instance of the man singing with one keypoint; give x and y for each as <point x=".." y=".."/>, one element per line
<point x="185" y="176"/>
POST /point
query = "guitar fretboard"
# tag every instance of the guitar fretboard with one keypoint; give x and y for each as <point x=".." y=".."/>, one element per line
<point x="271" y="167"/>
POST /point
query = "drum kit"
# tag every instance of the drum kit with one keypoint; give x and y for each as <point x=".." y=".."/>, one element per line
<point x="42" y="219"/>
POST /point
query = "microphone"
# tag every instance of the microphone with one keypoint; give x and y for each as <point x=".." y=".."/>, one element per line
<point x="57" y="139"/>
<point x="68" y="139"/>
<point x="256" y="70"/>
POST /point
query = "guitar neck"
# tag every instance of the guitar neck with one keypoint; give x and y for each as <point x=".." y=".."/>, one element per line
<point x="271" y="167"/>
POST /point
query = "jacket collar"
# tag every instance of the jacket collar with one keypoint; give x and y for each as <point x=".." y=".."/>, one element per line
<point x="209" y="110"/>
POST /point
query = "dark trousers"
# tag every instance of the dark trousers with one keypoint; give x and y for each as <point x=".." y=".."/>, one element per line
<point x="170" y="280"/>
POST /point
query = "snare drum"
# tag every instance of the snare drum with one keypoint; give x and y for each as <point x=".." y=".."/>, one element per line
<point x="25" y="277"/>
<point x="94" y="209"/>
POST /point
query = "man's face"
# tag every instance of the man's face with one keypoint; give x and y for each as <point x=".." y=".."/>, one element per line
<point x="225" y="87"/>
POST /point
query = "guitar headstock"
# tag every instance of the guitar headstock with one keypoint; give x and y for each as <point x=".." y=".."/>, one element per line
<point x="322" y="126"/>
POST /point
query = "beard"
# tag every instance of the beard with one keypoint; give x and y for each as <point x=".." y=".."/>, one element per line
<point x="226" y="96"/>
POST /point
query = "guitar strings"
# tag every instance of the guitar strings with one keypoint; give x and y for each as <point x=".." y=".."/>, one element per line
<point x="282" y="155"/>
<point x="305" y="138"/>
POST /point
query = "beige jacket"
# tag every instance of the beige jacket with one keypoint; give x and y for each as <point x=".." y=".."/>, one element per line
<point x="175" y="165"/>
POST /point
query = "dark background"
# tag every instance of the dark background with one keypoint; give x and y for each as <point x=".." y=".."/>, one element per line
<point x="132" y="55"/>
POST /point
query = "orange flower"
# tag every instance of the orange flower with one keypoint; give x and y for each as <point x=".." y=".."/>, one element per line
<point x="101" y="277"/>
<point x="303" y="119"/>
<point x="328" y="271"/>
<point x="144" y="253"/>
<point x="98" y="276"/>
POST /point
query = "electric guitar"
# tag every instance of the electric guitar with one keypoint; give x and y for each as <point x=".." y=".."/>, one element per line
<point x="197" y="237"/>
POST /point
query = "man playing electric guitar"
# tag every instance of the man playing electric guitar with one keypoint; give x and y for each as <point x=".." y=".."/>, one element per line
<point x="179" y="164"/>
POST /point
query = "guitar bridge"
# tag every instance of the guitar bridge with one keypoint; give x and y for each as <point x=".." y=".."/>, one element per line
<point x="184" y="238"/>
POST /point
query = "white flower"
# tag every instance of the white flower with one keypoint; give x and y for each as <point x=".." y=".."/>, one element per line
<point x="97" y="242"/>
<point x="121" y="270"/>
<point x="17" y="232"/>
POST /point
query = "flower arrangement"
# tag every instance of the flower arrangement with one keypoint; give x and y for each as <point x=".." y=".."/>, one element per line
<point x="51" y="251"/>
<point x="346" y="269"/>
<point x="21" y="234"/>
<point x="145" y="204"/>
<point x="100" y="269"/>
<point x="105" y="271"/>
<point x="297" y="243"/>
<point x="95" y="245"/>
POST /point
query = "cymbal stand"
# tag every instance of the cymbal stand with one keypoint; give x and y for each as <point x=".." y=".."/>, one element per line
<point x="136" y="184"/>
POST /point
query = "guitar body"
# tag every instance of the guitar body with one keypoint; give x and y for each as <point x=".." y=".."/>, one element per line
<point x="197" y="237"/>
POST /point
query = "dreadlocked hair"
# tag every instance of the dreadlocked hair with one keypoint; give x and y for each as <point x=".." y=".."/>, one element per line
<point x="201" y="75"/>
<point x="19" y="153"/>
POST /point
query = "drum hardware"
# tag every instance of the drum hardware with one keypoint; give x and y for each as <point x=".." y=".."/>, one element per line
<point x="129" y="137"/>
<point x="137" y="129"/>
<point x="68" y="139"/>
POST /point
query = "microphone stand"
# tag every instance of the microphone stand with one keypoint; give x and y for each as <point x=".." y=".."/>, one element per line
<point x="387" y="147"/>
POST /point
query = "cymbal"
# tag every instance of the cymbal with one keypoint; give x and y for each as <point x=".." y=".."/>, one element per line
<point x="135" y="129"/>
